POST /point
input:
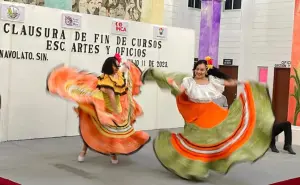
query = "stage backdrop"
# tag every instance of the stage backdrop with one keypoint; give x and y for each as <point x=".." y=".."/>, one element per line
<point x="149" y="11"/>
<point x="30" y="47"/>
<point x="294" y="99"/>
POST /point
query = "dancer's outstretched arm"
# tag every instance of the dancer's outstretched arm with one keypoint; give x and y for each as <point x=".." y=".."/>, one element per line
<point x="175" y="89"/>
<point x="232" y="82"/>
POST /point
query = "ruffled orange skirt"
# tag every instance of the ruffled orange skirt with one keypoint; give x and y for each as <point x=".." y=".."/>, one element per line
<point x="109" y="139"/>
<point x="99" y="129"/>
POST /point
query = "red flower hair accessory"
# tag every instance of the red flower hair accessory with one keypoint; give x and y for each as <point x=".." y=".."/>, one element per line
<point x="118" y="58"/>
<point x="209" y="62"/>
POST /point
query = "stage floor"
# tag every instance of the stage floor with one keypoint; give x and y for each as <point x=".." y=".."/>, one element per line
<point x="54" y="161"/>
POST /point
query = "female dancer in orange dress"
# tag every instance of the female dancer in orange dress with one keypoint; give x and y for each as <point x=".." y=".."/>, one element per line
<point x="213" y="138"/>
<point x="106" y="108"/>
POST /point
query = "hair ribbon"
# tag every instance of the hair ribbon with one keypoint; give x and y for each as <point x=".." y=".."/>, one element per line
<point x="118" y="58"/>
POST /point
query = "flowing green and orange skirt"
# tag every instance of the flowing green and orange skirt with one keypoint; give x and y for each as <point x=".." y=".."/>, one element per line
<point x="213" y="138"/>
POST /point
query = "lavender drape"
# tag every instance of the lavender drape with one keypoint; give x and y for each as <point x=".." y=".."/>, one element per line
<point x="210" y="29"/>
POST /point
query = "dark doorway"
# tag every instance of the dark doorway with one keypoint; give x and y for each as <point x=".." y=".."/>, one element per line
<point x="280" y="98"/>
<point x="230" y="92"/>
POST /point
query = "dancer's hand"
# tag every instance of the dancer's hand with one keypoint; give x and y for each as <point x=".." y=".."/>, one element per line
<point x="117" y="118"/>
<point x="235" y="82"/>
<point x="127" y="65"/>
<point x="230" y="82"/>
<point x="124" y="67"/>
<point x="110" y="119"/>
<point x="170" y="81"/>
<point x="241" y="82"/>
<point x="76" y="110"/>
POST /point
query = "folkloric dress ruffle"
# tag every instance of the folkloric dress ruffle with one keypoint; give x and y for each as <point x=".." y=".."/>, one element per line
<point x="213" y="138"/>
<point x="101" y="130"/>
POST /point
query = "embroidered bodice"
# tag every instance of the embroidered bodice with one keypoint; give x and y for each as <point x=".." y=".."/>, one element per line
<point x="118" y="85"/>
<point x="203" y="93"/>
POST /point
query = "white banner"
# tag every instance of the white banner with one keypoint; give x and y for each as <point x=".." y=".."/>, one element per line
<point x="160" y="32"/>
<point x="85" y="49"/>
<point x="119" y="27"/>
<point x="72" y="21"/>
<point x="11" y="12"/>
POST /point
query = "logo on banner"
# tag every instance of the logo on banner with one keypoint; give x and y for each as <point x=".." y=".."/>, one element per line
<point x="71" y="21"/>
<point x="12" y="13"/>
<point x="120" y="27"/>
<point x="159" y="32"/>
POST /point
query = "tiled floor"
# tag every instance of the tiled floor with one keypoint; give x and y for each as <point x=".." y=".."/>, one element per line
<point x="54" y="161"/>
